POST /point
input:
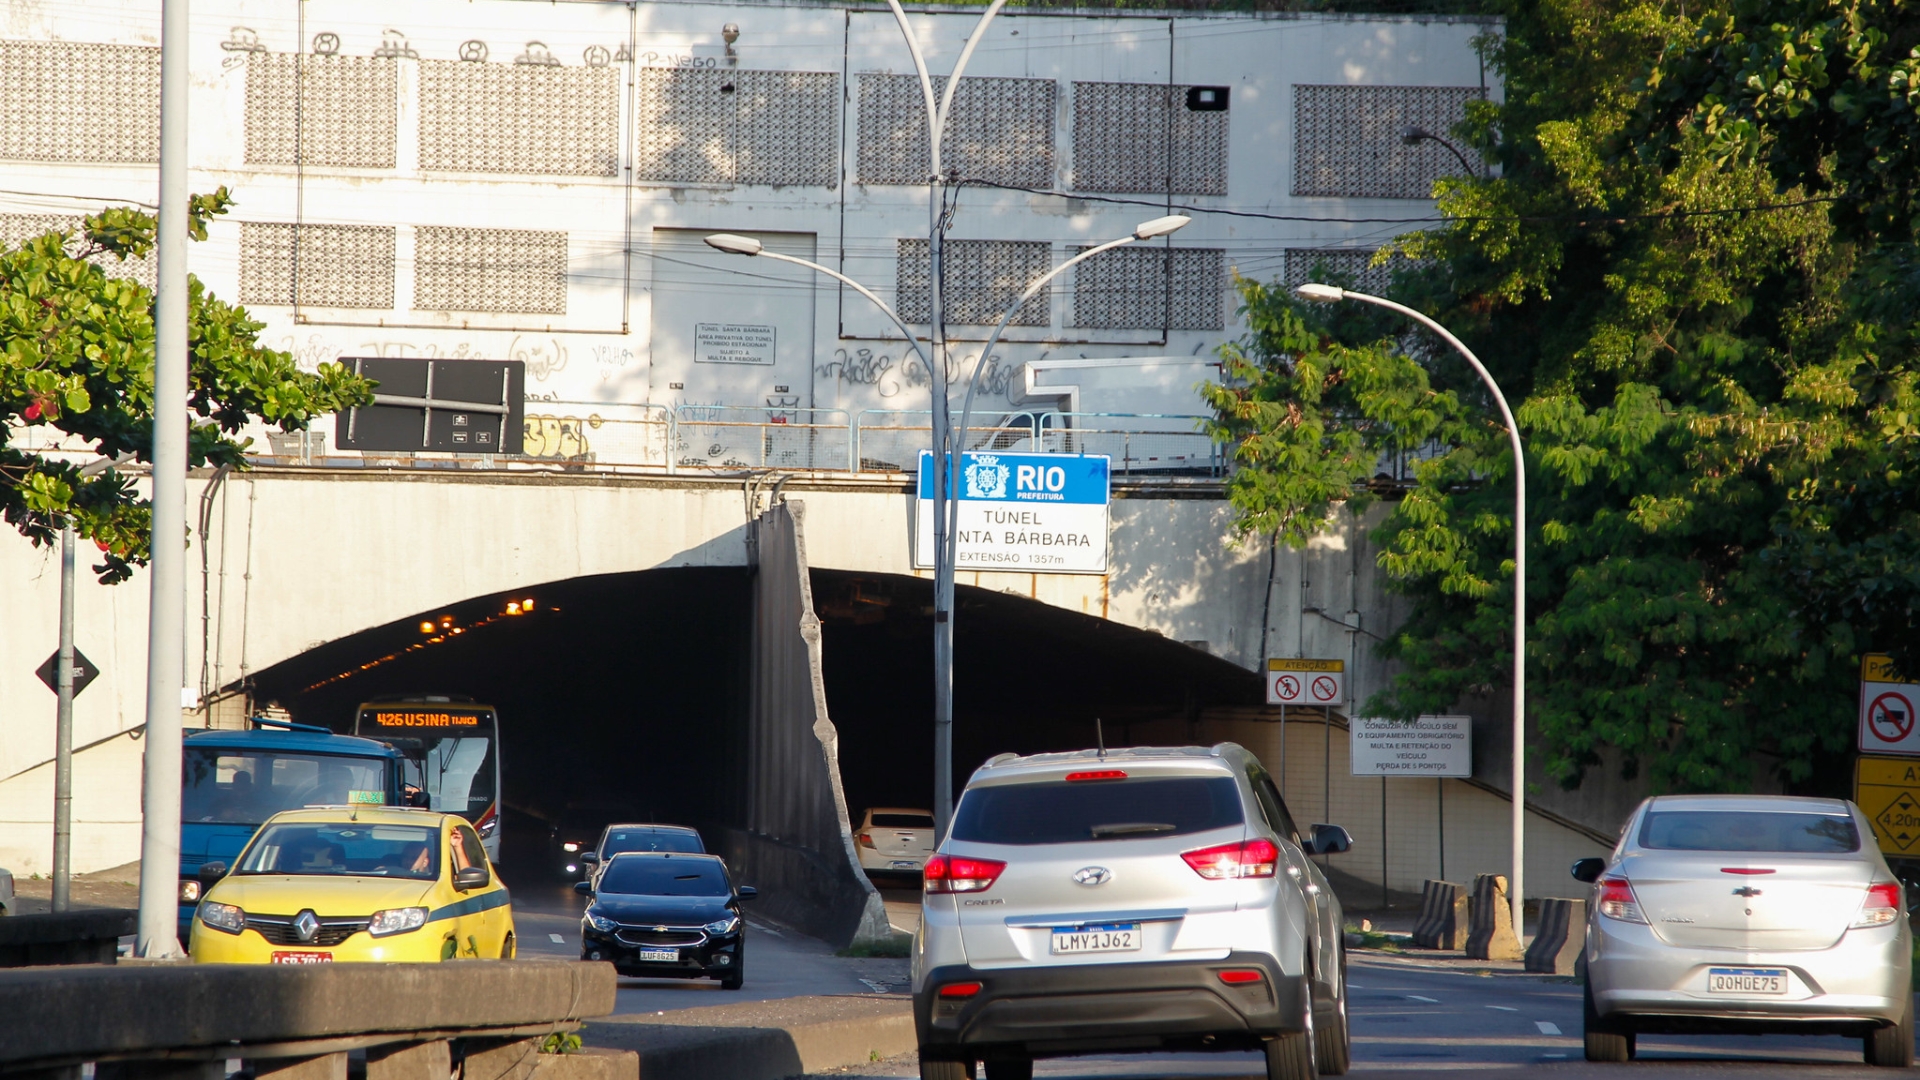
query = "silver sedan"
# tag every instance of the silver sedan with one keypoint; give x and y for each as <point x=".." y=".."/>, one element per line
<point x="1747" y="913"/>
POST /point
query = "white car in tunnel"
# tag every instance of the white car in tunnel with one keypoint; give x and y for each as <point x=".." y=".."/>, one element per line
<point x="1136" y="900"/>
<point x="894" y="840"/>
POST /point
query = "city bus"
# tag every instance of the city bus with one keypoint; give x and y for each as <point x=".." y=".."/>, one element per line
<point x="450" y="749"/>
<point x="231" y="781"/>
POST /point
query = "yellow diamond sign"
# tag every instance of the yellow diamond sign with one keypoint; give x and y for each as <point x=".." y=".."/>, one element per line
<point x="1888" y="789"/>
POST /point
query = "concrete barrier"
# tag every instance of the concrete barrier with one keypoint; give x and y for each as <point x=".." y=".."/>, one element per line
<point x="90" y="936"/>
<point x="134" y="1021"/>
<point x="1443" y="916"/>
<point x="764" y="1040"/>
<point x="1490" y="931"/>
<point x="1558" y="937"/>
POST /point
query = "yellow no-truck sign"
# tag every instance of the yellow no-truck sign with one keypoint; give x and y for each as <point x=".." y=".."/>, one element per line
<point x="1887" y="790"/>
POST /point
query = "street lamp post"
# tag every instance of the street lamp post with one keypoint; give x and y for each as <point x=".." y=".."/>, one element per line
<point x="943" y="509"/>
<point x="1327" y="294"/>
<point x="938" y="112"/>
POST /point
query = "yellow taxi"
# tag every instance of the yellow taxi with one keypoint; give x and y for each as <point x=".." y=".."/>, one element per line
<point x="356" y="883"/>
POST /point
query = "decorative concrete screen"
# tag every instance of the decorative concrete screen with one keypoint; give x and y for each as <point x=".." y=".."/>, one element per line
<point x="1001" y="130"/>
<point x="1302" y="265"/>
<point x="519" y="118"/>
<point x="1150" y="288"/>
<point x="982" y="278"/>
<point x="1121" y="140"/>
<point x="340" y="110"/>
<point x="1346" y="139"/>
<point x="15" y="228"/>
<point x="518" y="270"/>
<point x="72" y="101"/>
<point x="346" y="266"/>
<point x="726" y="126"/>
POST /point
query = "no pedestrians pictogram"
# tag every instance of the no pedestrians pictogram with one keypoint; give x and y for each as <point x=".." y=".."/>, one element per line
<point x="1288" y="686"/>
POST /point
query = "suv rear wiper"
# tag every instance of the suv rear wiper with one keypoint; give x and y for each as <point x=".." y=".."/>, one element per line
<point x="1129" y="828"/>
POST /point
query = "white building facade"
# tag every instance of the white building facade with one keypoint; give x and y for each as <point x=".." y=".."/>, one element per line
<point x="518" y="180"/>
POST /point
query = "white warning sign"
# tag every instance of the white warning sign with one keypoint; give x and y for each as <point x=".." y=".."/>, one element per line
<point x="1430" y="746"/>
<point x="1306" y="682"/>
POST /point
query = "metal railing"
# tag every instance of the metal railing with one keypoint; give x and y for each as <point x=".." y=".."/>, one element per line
<point x="887" y="440"/>
<point x="1150" y="443"/>
<point x="602" y="437"/>
<point x="739" y="437"/>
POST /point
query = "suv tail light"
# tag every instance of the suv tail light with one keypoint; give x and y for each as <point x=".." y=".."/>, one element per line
<point x="957" y="873"/>
<point x="1618" y="902"/>
<point x="1248" y="858"/>
<point x="1881" y="906"/>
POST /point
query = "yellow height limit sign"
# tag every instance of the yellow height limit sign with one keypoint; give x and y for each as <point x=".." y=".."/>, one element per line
<point x="1888" y="790"/>
<point x="1306" y="682"/>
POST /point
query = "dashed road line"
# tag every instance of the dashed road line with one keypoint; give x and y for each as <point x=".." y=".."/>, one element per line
<point x="1428" y="1000"/>
<point x="1504" y="1008"/>
<point x="556" y="939"/>
<point x="1547" y="1027"/>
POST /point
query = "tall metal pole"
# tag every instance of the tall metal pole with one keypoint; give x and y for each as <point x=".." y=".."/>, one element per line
<point x="166" y="620"/>
<point x="63" y="733"/>
<point x="944" y="444"/>
<point x="1516" y="879"/>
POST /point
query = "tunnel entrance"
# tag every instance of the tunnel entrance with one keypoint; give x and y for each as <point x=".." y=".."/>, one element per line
<point x="623" y="689"/>
<point x="1028" y="678"/>
<point x="630" y="690"/>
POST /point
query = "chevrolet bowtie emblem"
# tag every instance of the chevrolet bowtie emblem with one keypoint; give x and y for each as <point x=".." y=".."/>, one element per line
<point x="1746" y="890"/>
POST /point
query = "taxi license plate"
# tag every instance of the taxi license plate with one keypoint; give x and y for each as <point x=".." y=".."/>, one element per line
<point x="1099" y="938"/>
<point x="669" y="955"/>
<point x="1746" y="980"/>
<point x="302" y="958"/>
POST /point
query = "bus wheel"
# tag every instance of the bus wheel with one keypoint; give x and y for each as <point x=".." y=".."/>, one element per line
<point x="507" y="948"/>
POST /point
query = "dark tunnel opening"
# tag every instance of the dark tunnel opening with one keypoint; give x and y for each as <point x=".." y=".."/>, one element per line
<point x="632" y="689"/>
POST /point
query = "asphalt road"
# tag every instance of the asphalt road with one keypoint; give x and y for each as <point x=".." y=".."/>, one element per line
<point x="779" y="963"/>
<point x="1410" y="1022"/>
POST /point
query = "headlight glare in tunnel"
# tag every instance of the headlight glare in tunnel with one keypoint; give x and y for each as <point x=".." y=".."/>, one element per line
<point x="601" y="922"/>
<point x="225" y="917"/>
<point x="396" y="921"/>
<point x="189" y="892"/>
<point x="570" y="846"/>
<point x="724" y="926"/>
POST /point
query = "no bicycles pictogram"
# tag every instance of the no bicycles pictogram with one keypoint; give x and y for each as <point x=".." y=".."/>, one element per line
<point x="1890" y="717"/>
<point x="1325" y="688"/>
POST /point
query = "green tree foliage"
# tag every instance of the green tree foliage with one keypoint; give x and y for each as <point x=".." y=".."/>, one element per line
<point x="1695" y="277"/>
<point x="76" y="360"/>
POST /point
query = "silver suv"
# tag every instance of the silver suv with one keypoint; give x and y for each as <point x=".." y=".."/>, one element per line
<point x="1129" y="900"/>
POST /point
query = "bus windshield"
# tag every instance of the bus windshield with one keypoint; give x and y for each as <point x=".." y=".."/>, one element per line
<point x="246" y="787"/>
<point x="448" y="753"/>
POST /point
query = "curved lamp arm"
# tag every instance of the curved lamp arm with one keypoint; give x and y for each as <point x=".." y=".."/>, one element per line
<point x="1148" y="230"/>
<point x="937" y="114"/>
<point x="1327" y="294"/>
<point x="740" y="245"/>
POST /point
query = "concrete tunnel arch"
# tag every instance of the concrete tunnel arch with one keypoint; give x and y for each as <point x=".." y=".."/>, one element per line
<point x="642" y="687"/>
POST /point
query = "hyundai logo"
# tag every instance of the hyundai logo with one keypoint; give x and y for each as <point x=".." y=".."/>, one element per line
<point x="306" y="925"/>
<point x="1092" y="875"/>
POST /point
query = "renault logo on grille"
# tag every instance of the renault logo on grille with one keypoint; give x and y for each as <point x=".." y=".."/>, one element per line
<point x="1092" y="875"/>
<point x="306" y="925"/>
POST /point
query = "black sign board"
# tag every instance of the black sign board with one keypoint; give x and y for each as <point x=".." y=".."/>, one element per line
<point x="83" y="672"/>
<point x="462" y="406"/>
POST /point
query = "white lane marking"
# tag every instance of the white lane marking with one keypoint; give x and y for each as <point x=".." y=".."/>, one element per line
<point x="1504" y="1008"/>
<point x="876" y="987"/>
<point x="1428" y="1000"/>
<point x="763" y="928"/>
<point x="1547" y="1027"/>
<point x="1553" y="1055"/>
<point x="557" y="939"/>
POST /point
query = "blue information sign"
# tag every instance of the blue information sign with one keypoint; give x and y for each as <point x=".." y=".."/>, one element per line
<point x="1022" y="512"/>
